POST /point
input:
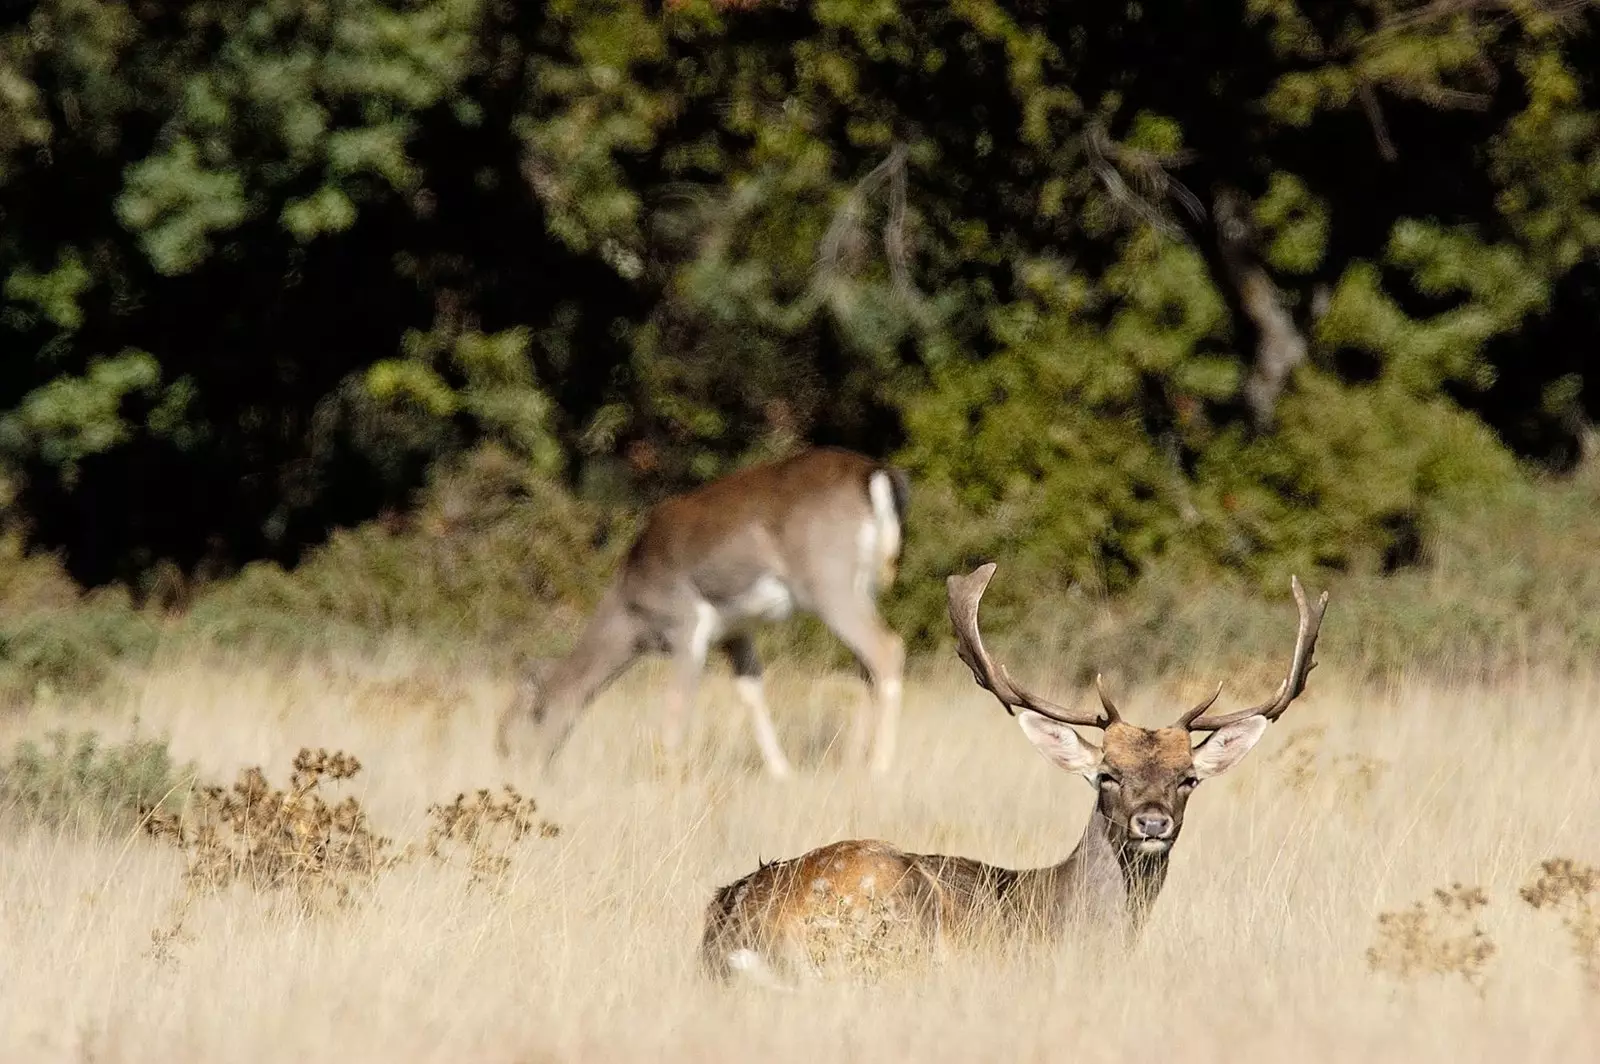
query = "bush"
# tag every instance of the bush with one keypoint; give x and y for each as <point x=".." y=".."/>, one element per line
<point x="72" y="648"/>
<point x="79" y="780"/>
<point x="300" y="841"/>
<point x="495" y="555"/>
<point x="30" y="582"/>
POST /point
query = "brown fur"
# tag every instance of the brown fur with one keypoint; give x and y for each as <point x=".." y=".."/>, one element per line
<point x="861" y="884"/>
<point x="1142" y="777"/>
<point x="792" y="524"/>
<point x="1109" y="881"/>
<point x="784" y="499"/>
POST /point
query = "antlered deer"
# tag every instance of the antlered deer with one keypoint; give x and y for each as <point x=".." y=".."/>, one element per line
<point x="818" y="532"/>
<point x="775" y="923"/>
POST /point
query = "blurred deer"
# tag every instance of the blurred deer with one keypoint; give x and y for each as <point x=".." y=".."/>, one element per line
<point x="771" y="924"/>
<point x="818" y="532"/>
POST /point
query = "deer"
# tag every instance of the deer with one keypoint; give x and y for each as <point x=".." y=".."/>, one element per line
<point x="786" y="921"/>
<point x="819" y="532"/>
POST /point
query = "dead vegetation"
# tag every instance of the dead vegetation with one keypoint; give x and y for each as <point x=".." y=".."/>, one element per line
<point x="1439" y="936"/>
<point x="466" y="934"/>
<point x="275" y="838"/>
<point x="301" y="842"/>
<point x="479" y="832"/>
<point x="860" y="939"/>
<point x="1442" y="936"/>
<point x="1573" y="890"/>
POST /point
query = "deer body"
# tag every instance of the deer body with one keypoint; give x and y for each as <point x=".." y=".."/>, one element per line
<point x="792" y="918"/>
<point x="764" y="925"/>
<point x="819" y="533"/>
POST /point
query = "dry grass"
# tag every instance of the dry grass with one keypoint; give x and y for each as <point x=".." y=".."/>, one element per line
<point x="1357" y="804"/>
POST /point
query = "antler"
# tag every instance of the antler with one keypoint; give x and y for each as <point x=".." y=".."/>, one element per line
<point x="964" y="593"/>
<point x="1300" y="667"/>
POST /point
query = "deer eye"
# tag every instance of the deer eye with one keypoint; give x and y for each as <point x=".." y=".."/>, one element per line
<point x="1108" y="781"/>
<point x="1189" y="784"/>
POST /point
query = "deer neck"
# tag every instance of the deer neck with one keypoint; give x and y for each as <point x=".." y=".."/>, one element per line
<point x="1104" y="881"/>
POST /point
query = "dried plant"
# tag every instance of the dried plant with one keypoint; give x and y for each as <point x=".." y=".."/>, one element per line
<point x="300" y="841"/>
<point x="864" y="937"/>
<point x="1303" y="760"/>
<point x="486" y="826"/>
<point x="164" y="940"/>
<point x="1298" y="757"/>
<point x="1361" y="776"/>
<point x="279" y="838"/>
<point x="1438" y="937"/>
<point x="1572" y="889"/>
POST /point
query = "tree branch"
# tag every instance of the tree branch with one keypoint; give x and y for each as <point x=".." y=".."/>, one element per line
<point x="1280" y="347"/>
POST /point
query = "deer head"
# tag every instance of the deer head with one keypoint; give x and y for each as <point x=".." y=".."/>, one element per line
<point x="1144" y="776"/>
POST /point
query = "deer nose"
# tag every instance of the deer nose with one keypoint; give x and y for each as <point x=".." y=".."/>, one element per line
<point x="1152" y="825"/>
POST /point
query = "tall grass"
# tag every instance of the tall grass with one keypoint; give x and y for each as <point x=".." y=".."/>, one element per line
<point x="1362" y="800"/>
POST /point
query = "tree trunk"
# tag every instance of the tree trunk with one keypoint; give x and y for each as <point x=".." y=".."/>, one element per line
<point x="1280" y="347"/>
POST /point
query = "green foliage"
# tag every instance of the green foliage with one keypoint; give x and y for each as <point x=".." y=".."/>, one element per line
<point x="495" y="555"/>
<point x="498" y="391"/>
<point x="72" y="649"/>
<point x="270" y="270"/>
<point x="176" y="203"/>
<point x="53" y="294"/>
<point x="79" y="780"/>
<point x="73" y="417"/>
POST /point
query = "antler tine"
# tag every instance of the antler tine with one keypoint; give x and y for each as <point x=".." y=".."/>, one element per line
<point x="1109" y="706"/>
<point x="1293" y="684"/>
<point x="964" y="593"/>
<point x="1199" y="711"/>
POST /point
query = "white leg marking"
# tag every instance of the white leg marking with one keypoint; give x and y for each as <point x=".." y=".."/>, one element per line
<point x="751" y="692"/>
<point x="889" y="699"/>
<point x="706" y="622"/>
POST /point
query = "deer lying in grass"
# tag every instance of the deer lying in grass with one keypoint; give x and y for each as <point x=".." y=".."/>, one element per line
<point x="849" y="899"/>
<point x="818" y="532"/>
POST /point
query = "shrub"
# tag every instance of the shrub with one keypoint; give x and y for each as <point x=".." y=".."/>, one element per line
<point x="298" y="841"/>
<point x="78" y="779"/>
<point x="1572" y="889"/>
<point x="74" y="649"/>
<point x="1438" y="937"/>
<point x="271" y="837"/>
<point x="495" y="554"/>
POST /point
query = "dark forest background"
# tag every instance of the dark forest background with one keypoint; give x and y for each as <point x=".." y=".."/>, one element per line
<point x="391" y="316"/>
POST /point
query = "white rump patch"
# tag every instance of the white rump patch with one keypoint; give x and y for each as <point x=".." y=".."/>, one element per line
<point x="881" y="490"/>
<point x="878" y="541"/>
<point x="744" y="960"/>
<point x="752" y="966"/>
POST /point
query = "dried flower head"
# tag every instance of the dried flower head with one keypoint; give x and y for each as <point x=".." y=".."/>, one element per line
<point x="1438" y="937"/>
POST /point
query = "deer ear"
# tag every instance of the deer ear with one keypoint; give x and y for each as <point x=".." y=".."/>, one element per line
<point x="1227" y="747"/>
<point x="1061" y="744"/>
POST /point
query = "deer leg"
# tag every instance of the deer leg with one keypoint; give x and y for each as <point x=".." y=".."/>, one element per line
<point x="679" y="702"/>
<point x="741" y="651"/>
<point x="882" y="654"/>
<point x="689" y="652"/>
<point x="889" y="685"/>
<point x="546" y="706"/>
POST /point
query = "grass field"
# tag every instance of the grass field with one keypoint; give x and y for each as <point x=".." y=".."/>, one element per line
<point x="1357" y="803"/>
